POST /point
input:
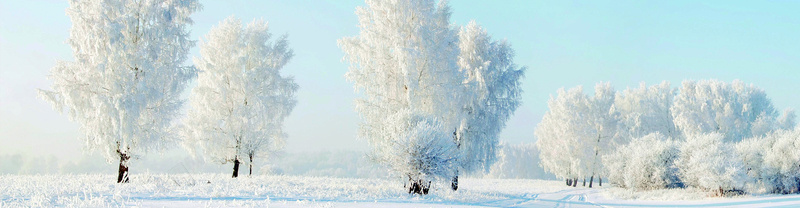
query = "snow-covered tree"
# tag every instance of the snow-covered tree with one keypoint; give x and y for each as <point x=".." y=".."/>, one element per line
<point x="241" y="99"/>
<point x="645" y="110"/>
<point x="493" y="93"/>
<point x="735" y="110"/>
<point x="409" y="59"/>
<point x="423" y="151"/>
<point x="773" y="161"/>
<point x="603" y="124"/>
<point x="124" y="84"/>
<point x="707" y="162"/>
<point x="576" y="131"/>
<point x="644" y="163"/>
<point x="403" y="62"/>
<point x="561" y="135"/>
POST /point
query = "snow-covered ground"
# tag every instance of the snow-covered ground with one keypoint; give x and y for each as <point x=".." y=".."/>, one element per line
<point x="215" y="190"/>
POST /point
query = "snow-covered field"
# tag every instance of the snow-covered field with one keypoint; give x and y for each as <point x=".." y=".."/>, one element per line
<point x="214" y="190"/>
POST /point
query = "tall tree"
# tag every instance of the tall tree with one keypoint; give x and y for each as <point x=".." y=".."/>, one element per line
<point x="562" y="132"/>
<point x="492" y="91"/>
<point x="577" y="131"/>
<point x="403" y="62"/>
<point x="124" y="85"/>
<point x="603" y="125"/>
<point x="241" y="99"/>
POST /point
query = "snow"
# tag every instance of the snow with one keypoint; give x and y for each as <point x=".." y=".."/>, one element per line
<point x="218" y="190"/>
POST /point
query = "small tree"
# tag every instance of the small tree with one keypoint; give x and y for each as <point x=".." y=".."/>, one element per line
<point x="124" y="85"/>
<point x="644" y="163"/>
<point x="423" y="151"/>
<point x="241" y="99"/>
<point x="707" y="162"/>
<point x="773" y="161"/>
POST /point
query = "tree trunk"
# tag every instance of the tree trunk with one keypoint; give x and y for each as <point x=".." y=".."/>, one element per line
<point x="454" y="184"/>
<point x="418" y="187"/>
<point x="574" y="182"/>
<point x="122" y="176"/>
<point x="590" y="181"/>
<point x="600" y="180"/>
<point x="251" y="165"/>
<point x="584" y="182"/>
<point x="569" y="181"/>
<point x="235" y="167"/>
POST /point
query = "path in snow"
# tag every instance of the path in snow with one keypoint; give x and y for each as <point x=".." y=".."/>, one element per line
<point x="216" y="190"/>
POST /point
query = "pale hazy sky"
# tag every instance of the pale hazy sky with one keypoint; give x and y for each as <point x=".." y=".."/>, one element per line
<point x="563" y="43"/>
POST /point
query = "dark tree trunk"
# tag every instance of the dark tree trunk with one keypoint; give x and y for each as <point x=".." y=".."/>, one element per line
<point x="574" y="182"/>
<point x="236" y="168"/>
<point x="590" y="181"/>
<point x="251" y="165"/>
<point x="584" y="182"/>
<point x="454" y="184"/>
<point x="122" y="176"/>
<point x="417" y="187"/>
<point x="569" y="181"/>
<point x="600" y="180"/>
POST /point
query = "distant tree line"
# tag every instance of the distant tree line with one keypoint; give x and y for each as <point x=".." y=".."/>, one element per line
<point x="724" y="137"/>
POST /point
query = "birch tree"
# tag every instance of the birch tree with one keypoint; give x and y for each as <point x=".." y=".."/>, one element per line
<point x="492" y="94"/>
<point x="123" y="86"/>
<point x="403" y="62"/>
<point x="241" y="99"/>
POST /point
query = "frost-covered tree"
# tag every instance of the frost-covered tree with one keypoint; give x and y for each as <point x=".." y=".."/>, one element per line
<point x="409" y="59"/>
<point x="735" y="110"/>
<point x="645" y="110"/>
<point x="124" y="84"/>
<point x="241" y="99"/>
<point x="644" y="163"/>
<point x="707" y="162"/>
<point x="773" y="161"/>
<point x="561" y="134"/>
<point x="422" y="150"/>
<point x="403" y="62"/>
<point x="603" y="124"/>
<point x="576" y="131"/>
<point x="492" y="91"/>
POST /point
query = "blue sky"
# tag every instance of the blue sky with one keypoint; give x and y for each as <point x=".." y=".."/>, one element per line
<point x="563" y="43"/>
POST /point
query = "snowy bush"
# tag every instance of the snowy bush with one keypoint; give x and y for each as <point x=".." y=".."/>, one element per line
<point x="423" y="152"/>
<point x="707" y="162"/>
<point x="645" y="163"/>
<point x="773" y="161"/>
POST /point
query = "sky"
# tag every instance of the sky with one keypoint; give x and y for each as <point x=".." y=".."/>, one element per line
<point x="562" y="43"/>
